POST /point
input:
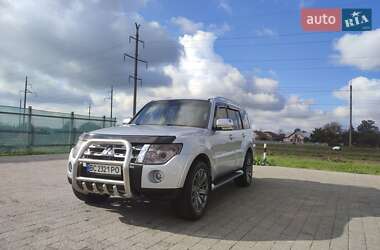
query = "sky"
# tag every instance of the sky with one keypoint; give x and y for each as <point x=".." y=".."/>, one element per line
<point x="253" y="52"/>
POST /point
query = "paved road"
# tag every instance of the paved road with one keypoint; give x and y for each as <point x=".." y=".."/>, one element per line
<point x="286" y="208"/>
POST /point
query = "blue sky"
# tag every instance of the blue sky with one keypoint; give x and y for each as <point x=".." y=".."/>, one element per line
<point x="301" y="60"/>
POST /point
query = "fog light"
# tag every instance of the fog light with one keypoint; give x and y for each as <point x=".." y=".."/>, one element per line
<point x="70" y="167"/>
<point x="156" y="176"/>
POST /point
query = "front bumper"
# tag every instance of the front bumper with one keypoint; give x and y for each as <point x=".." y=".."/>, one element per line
<point x="135" y="181"/>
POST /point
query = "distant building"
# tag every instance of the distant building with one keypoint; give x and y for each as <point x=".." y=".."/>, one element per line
<point x="297" y="137"/>
<point x="268" y="136"/>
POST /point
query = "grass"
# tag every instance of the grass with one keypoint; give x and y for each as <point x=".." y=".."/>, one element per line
<point x="309" y="156"/>
<point x="330" y="165"/>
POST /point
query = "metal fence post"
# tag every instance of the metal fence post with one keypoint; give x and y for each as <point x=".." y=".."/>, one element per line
<point x="71" y="135"/>
<point x="30" y="129"/>
<point x="104" y="121"/>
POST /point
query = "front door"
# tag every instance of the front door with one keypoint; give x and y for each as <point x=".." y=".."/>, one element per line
<point x="222" y="145"/>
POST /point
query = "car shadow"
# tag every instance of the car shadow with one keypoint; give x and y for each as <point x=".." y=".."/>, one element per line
<point x="271" y="209"/>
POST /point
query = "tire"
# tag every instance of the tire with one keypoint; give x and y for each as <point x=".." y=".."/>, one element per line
<point x="90" y="198"/>
<point x="247" y="178"/>
<point x="192" y="202"/>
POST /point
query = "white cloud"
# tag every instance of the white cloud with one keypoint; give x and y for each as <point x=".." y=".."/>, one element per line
<point x="359" y="50"/>
<point x="201" y="73"/>
<point x="225" y="5"/>
<point x="365" y="100"/>
<point x="218" y="29"/>
<point x="266" y="32"/>
<point x="190" y="27"/>
<point x="187" y="26"/>
<point x="265" y="84"/>
<point x="72" y="51"/>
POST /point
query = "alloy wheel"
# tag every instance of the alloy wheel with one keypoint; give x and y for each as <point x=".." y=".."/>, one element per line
<point x="200" y="190"/>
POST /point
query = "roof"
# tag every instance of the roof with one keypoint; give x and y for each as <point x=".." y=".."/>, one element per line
<point x="226" y="101"/>
<point x="302" y="133"/>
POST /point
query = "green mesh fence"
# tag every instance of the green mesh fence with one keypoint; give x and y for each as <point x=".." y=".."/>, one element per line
<point x="31" y="128"/>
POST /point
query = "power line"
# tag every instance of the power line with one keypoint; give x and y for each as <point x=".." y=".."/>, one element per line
<point x="283" y="59"/>
<point x="254" y="37"/>
<point x="137" y="60"/>
<point x="248" y="44"/>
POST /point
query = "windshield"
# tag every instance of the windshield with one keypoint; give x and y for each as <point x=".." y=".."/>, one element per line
<point x="190" y="113"/>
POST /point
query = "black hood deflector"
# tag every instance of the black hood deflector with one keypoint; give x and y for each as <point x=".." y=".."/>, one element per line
<point x="149" y="139"/>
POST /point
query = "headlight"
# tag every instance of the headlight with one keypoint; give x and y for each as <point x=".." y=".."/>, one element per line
<point x="161" y="153"/>
<point x="82" y="138"/>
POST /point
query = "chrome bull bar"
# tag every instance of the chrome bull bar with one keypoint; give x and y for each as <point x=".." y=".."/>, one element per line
<point x="103" y="182"/>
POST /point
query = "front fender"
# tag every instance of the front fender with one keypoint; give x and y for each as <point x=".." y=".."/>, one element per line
<point x="193" y="152"/>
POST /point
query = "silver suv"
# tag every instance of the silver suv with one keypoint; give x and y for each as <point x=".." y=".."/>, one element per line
<point x="176" y="150"/>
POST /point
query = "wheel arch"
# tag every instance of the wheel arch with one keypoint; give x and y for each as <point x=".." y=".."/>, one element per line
<point x="200" y="157"/>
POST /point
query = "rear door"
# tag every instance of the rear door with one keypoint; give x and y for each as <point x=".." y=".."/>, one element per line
<point x="237" y="138"/>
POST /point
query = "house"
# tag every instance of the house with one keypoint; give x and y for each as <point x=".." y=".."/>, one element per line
<point x="268" y="136"/>
<point x="297" y="137"/>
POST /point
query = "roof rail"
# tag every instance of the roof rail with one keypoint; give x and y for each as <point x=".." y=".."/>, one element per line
<point x="225" y="100"/>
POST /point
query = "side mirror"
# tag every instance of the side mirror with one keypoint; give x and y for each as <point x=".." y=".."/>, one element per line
<point x="126" y="121"/>
<point x="224" y="124"/>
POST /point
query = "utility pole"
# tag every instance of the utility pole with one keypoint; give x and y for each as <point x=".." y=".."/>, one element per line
<point x="19" y="119"/>
<point x="111" y="101"/>
<point x="89" y="110"/>
<point x="110" y="97"/>
<point x="137" y="60"/>
<point x="350" y="130"/>
<point x="26" y="91"/>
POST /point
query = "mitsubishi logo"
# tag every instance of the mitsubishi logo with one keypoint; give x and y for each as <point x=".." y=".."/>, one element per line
<point x="108" y="151"/>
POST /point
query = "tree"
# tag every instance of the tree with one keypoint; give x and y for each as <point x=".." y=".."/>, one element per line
<point x="317" y="135"/>
<point x="331" y="133"/>
<point x="368" y="134"/>
<point x="368" y="126"/>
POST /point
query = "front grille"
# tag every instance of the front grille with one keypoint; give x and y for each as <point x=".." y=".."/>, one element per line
<point x="95" y="151"/>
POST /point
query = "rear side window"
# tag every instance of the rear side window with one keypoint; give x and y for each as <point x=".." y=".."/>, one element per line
<point x="235" y="117"/>
<point x="244" y="117"/>
<point x="220" y="113"/>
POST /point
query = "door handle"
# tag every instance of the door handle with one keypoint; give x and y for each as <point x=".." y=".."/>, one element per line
<point x="230" y="135"/>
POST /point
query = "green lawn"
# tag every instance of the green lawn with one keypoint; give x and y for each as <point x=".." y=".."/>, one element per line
<point x="309" y="156"/>
<point x="321" y="164"/>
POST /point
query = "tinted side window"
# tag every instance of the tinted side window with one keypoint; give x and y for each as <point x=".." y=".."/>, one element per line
<point x="244" y="116"/>
<point x="220" y="113"/>
<point x="235" y="117"/>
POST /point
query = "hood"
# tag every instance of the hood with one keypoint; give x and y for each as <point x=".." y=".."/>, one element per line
<point x="143" y="132"/>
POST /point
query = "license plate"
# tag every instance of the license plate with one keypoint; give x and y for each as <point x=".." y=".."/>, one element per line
<point x="103" y="169"/>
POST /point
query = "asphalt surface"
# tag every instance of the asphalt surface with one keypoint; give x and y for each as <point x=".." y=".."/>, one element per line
<point x="285" y="209"/>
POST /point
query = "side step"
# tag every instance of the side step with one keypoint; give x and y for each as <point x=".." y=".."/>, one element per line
<point x="225" y="179"/>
